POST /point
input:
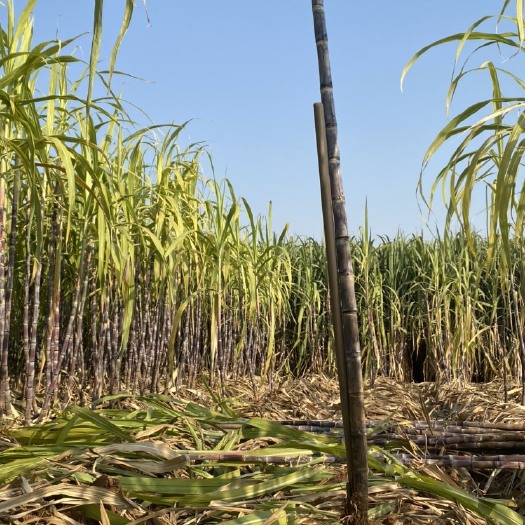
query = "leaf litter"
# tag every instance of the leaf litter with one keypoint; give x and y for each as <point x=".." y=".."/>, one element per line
<point x="191" y="457"/>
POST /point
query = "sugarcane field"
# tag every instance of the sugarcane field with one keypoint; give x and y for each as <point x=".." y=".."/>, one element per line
<point x="170" y="356"/>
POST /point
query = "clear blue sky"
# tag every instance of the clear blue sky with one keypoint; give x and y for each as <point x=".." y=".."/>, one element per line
<point x="246" y="73"/>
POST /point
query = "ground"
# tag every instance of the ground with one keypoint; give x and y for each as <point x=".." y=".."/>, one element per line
<point x="307" y="398"/>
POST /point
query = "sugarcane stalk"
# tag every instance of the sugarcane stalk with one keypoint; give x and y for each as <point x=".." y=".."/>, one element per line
<point x="53" y="325"/>
<point x="153" y="347"/>
<point x="31" y="363"/>
<point x="467" y="427"/>
<point x="5" y="402"/>
<point x="328" y="219"/>
<point x="10" y="272"/>
<point x="485" y="462"/>
<point x="145" y="332"/>
<point x="78" y="315"/>
<point x="519" y="329"/>
<point x="500" y="461"/>
<point x="26" y="318"/>
<point x="67" y="342"/>
<point x="357" y="490"/>
<point x="114" y="352"/>
<point x="159" y="345"/>
<point x="97" y="340"/>
<point x="131" y="367"/>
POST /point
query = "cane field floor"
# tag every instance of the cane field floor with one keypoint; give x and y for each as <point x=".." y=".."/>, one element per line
<point x="192" y="456"/>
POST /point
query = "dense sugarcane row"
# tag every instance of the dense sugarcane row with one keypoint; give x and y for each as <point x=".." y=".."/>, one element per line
<point x="234" y="301"/>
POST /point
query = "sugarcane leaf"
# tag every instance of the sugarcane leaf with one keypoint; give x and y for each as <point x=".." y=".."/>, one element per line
<point x="23" y="21"/>
<point x="496" y="38"/>
<point x="95" y="48"/>
<point x="260" y="518"/>
<point x="488" y="509"/>
<point x="251" y="490"/>
<point x="153" y="449"/>
<point x="64" y="492"/>
<point x="100" y="422"/>
<point x="93" y="512"/>
<point x="175" y="487"/>
<point x="322" y="443"/>
<point x="126" y="19"/>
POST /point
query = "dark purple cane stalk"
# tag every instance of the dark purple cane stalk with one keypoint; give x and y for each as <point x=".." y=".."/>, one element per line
<point x="10" y="277"/>
<point x="357" y="493"/>
<point x="31" y="363"/>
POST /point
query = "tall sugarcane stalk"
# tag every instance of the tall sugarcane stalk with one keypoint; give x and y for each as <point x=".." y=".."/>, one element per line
<point x="357" y="491"/>
<point x="331" y="257"/>
<point x="5" y="401"/>
<point x="10" y="272"/>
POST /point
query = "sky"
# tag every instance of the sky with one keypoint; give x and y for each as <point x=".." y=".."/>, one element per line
<point x="245" y="73"/>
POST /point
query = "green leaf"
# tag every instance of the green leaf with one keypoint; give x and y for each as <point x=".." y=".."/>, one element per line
<point x="487" y="509"/>
<point x="95" y="48"/>
<point x="128" y="13"/>
<point x="250" y="490"/>
<point x="92" y="512"/>
<point x="101" y="422"/>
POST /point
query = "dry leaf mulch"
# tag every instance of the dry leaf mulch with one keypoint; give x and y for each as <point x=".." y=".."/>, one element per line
<point x="317" y="398"/>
